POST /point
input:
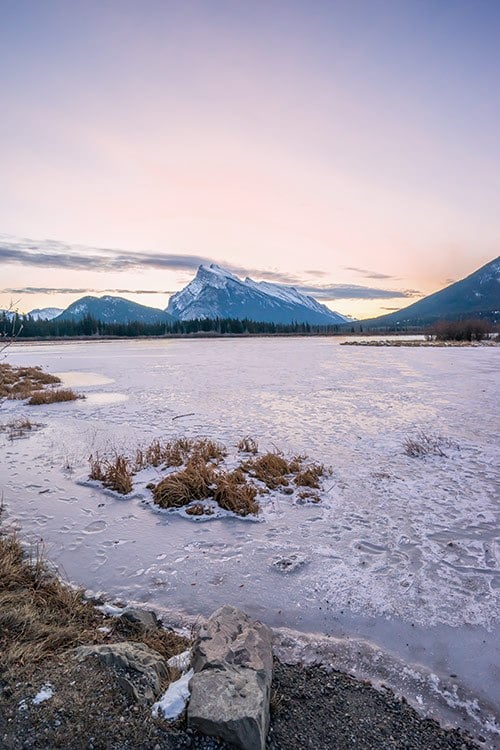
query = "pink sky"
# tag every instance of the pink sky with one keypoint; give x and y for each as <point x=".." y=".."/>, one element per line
<point x="266" y="137"/>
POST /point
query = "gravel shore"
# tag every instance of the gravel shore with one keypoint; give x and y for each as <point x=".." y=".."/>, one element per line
<point x="310" y="709"/>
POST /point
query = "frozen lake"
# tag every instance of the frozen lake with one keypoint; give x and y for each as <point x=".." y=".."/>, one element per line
<point x="399" y="580"/>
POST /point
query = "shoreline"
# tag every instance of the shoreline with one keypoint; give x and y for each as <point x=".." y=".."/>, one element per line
<point x="59" y="702"/>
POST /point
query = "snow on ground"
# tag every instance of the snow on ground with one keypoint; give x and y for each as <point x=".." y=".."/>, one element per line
<point x="173" y="701"/>
<point x="401" y="554"/>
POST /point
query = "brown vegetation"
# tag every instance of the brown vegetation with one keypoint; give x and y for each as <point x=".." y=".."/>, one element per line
<point x="115" y="473"/>
<point x="273" y="469"/>
<point x="472" y="329"/>
<point x="233" y="492"/>
<point x="53" y="396"/>
<point x="310" y="475"/>
<point x="19" y="428"/>
<point x="23" y="382"/>
<point x="175" y="452"/>
<point x="194" y="482"/>
<point x="424" y="445"/>
<point x="41" y="616"/>
<point x="199" y="476"/>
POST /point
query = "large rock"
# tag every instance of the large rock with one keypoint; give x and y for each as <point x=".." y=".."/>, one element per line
<point x="230" y="690"/>
<point x="144" y="618"/>
<point x="140" y="669"/>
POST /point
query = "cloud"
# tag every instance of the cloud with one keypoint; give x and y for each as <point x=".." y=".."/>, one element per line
<point x="54" y="254"/>
<point x="368" y="274"/>
<point x="354" y="291"/>
<point x="69" y="290"/>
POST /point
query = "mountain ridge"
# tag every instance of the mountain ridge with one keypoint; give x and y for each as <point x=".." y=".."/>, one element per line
<point x="217" y="293"/>
<point x="477" y="294"/>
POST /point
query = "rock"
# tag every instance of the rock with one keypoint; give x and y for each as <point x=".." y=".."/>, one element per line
<point x="145" y="618"/>
<point x="140" y="669"/>
<point x="230" y="690"/>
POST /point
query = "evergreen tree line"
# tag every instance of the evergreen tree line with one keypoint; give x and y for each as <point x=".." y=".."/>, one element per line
<point x="24" y="326"/>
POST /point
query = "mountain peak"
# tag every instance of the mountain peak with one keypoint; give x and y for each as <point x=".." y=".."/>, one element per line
<point x="216" y="292"/>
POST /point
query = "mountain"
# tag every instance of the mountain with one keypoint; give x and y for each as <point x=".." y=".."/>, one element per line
<point x="478" y="295"/>
<point x="45" y="313"/>
<point x="113" y="310"/>
<point x="217" y="293"/>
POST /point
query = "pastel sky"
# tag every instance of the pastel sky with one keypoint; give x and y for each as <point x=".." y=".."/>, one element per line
<point x="350" y="147"/>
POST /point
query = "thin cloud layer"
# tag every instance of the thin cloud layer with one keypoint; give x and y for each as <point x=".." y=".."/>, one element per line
<point x="61" y="255"/>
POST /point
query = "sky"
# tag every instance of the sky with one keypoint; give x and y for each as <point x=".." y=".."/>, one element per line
<point x="350" y="148"/>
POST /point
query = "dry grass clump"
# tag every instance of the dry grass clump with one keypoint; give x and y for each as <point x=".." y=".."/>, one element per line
<point x="270" y="468"/>
<point x="22" y="382"/>
<point x="40" y="616"/>
<point x="116" y="473"/>
<point x="19" y="428"/>
<point x="424" y="445"/>
<point x="248" y="445"/>
<point x="310" y="476"/>
<point x="199" y="476"/>
<point x="53" y="396"/>
<point x="233" y="492"/>
<point x="194" y="482"/>
<point x="199" y="481"/>
<point x="176" y="452"/>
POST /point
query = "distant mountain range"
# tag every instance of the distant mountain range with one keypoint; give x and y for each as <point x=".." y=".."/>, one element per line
<point x="478" y="295"/>
<point x="45" y="313"/>
<point x="217" y="293"/>
<point x="113" y="310"/>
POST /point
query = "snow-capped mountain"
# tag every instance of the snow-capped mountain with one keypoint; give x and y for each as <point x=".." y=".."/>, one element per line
<point x="45" y="313"/>
<point x="110" y="309"/>
<point x="476" y="295"/>
<point x="217" y="293"/>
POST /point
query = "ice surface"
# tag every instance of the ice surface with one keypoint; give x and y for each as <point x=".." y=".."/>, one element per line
<point x="401" y="557"/>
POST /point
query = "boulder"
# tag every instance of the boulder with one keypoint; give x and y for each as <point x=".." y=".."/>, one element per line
<point x="231" y="687"/>
<point x="140" y="669"/>
<point x="145" y="618"/>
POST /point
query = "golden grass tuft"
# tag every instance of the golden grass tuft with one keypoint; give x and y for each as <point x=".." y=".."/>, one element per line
<point x="39" y="615"/>
<point x="310" y="476"/>
<point x="23" y="382"/>
<point x="176" y="452"/>
<point x="233" y="492"/>
<point x="270" y="468"/>
<point x="182" y="487"/>
<point x="116" y="473"/>
<point x="53" y="396"/>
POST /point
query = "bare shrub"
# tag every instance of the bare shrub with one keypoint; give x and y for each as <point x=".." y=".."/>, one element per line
<point x="19" y="428"/>
<point x="53" y="396"/>
<point x="471" y="329"/>
<point x="248" y="445"/>
<point x="424" y="445"/>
